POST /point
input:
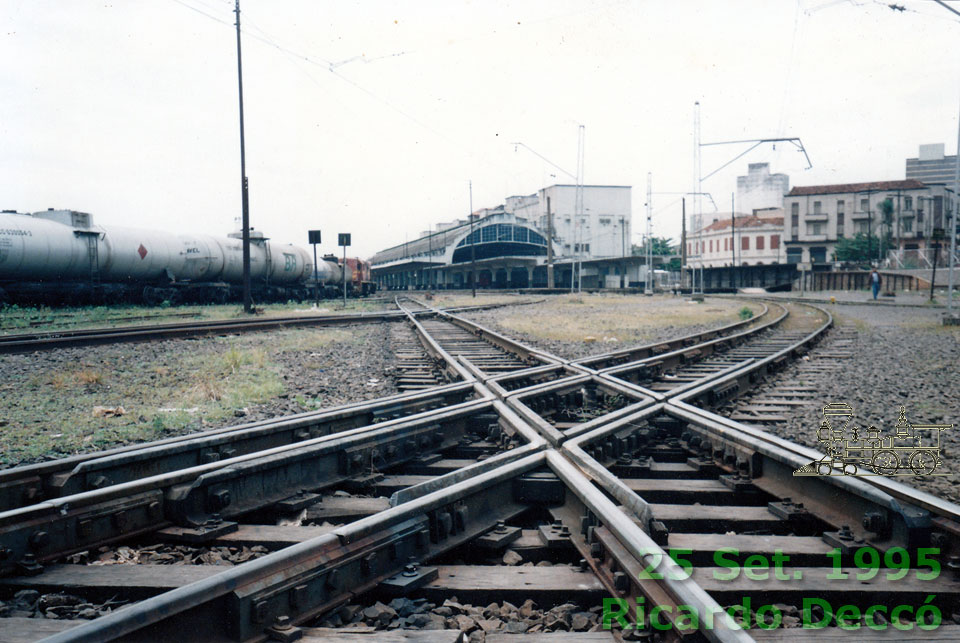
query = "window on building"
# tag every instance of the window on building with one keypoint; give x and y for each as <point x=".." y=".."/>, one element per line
<point x="489" y="234"/>
<point x="726" y="244"/>
<point x="794" y="226"/>
<point x="604" y="221"/>
<point x="689" y="246"/>
<point x="840" y="207"/>
<point x="504" y="232"/>
<point x="759" y="244"/>
<point x="774" y="241"/>
<point x="745" y="243"/>
<point x="864" y="205"/>
<point x="816" y="207"/>
<point x="908" y="203"/>
<point x="814" y="227"/>
<point x="840" y="223"/>
<point x="795" y="209"/>
<point x="519" y="234"/>
<point x="860" y="227"/>
<point x="908" y="225"/>
<point x="711" y="245"/>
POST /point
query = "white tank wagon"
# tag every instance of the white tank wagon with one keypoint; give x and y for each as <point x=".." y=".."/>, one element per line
<point x="60" y="256"/>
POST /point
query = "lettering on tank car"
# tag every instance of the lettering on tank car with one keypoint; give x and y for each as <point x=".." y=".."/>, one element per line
<point x="16" y="233"/>
<point x="289" y="262"/>
<point x="5" y="245"/>
<point x="193" y="251"/>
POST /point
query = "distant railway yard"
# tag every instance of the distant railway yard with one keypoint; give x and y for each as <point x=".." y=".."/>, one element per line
<point x="433" y="466"/>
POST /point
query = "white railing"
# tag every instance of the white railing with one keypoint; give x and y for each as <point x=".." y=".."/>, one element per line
<point x="919" y="259"/>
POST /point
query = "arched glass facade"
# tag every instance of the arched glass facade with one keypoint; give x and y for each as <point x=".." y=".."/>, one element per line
<point x="500" y="240"/>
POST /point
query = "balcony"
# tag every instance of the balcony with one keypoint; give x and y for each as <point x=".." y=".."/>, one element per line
<point x="817" y="216"/>
<point x="856" y="216"/>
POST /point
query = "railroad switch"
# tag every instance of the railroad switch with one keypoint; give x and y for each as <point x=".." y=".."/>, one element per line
<point x="499" y="537"/>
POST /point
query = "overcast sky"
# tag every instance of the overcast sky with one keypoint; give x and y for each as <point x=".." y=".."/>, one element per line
<point x="371" y="117"/>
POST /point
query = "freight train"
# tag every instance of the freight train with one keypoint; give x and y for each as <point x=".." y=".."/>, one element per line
<point x="61" y="257"/>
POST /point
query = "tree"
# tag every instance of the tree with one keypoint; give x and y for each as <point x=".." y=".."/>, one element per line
<point x="861" y="248"/>
<point x="661" y="247"/>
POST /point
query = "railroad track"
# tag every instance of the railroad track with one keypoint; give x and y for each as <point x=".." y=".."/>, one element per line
<point x="530" y="489"/>
<point x="51" y="340"/>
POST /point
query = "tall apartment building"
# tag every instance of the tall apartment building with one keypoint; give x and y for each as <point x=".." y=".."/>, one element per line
<point x="932" y="166"/>
<point x="817" y="216"/>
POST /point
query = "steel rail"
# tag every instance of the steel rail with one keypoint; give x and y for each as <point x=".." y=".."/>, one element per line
<point x="189" y="497"/>
<point x="32" y="483"/>
<point x="314" y="552"/>
<point x="27" y="342"/>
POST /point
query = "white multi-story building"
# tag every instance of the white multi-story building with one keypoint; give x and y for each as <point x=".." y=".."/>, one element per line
<point x="754" y="240"/>
<point x="820" y="215"/>
<point x="760" y="190"/>
<point x="603" y="228"/>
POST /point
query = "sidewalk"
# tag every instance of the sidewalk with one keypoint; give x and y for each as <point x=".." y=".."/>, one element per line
<point x="863" y="297"/>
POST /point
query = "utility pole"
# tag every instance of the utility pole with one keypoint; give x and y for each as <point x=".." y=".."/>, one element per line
<point x="697" y="203"/>
<point x="473" y="248"/>
<point x="245" y="197"/>
<point x="683" y="239"/>
<point x="581" y="152"/>
<point x="953" y="226"/>
<point x="733" y="243"/>
<point x="623" y="251"/>
<point x="549" y="246"/>
<point x="648" y="288"/>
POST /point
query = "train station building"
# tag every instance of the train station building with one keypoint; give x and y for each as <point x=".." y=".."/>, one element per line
<point x="511" y="243"/>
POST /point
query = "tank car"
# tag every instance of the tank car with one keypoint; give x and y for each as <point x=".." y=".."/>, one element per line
<point x="61" y="256"/>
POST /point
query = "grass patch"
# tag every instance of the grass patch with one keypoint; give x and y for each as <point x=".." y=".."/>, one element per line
<point x="618" y="318"/>
<point x="181" y="388"/>
<point x="745" y="313"/>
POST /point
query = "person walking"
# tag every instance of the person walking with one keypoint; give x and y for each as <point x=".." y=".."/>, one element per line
<point x="875" y="283"/>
